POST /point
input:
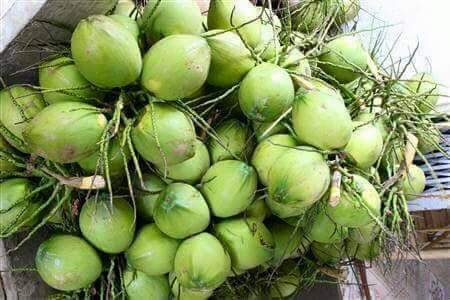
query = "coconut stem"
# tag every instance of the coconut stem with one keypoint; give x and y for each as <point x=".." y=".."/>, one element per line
<point x="94" y="182"/>
<point x="335" y="190"/>
<point x="302" y="82"/>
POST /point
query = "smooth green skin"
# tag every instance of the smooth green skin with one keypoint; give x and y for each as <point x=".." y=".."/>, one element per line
<point x="286" y="210"/>
<point x="230" y="59"/>
<point x="354" y="212"/>
<point x="116" y="164"/>
<point x="413" y="184"/>
<point x="126" y="8"/>
<point x="268" y="151"/>
<point x="378" y="122"/>
<point x="299" y="177"/>
<point x="295" y="61"/>
<point x="220" y="13"/>
<point x="171" y="17"/>
<point x="65" y="132"/>
<point x="29" y="101"/>
<point x="257" y="210"/>
<point x="235" y="141"/>
<point x="324" y="230"/>
<point x="128" y="23"/>
<point x="110" y="228"/>
<point x="152" y="251"/>
<point x="288" y="281"/>
<point x="146" y="198"/>
<point x="62" y="74"/>
<point x="366" y="251"/>
<point x="424" y="84"/>
<point x="365" y="145"/>
<point x="289" y="243"/>
<point x="139" y="286"/>
<point x="266" y="92"/>
<point x="269" y="45"/>
<point x="98" y="62"/>
<point x="176" y="66"/>
<point x="181" y="211"/>
<point x="192" y="170"/>
<point x="430" y="144"/>
<point x="344" y="58"/>
<point x="229" y="186"/>
<point x="321" y="119"/>
<point x="174" y="132"/>
<point x="181" y="293"/>
<point x="67" y="263"/>
<point x="5" y="165"/>
<point x="201" y="263"/>
<point x="329" y="254"/>
<point x="364" y="234"/>
<point x="14" y="208"/>
<point x="260" y="129"/>
<point x="248" y="241"/>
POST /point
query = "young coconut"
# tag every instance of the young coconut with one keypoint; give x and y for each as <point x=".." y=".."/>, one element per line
<point x="286" y="210"/>
<point x="288" y="281"/>
<point x="268" y="151"/>
<point x="234" y="141"/>
<point x="181" y="211"/>
<point x="299" y="177"/>
<point x="65" y="132"/>
<point x="269" y="45"/>
<point x="97" y="61"/>
<point x="235" y="13"/>
<point x="266" y="92"/>
<point x="365" y="145"/>
<point x="201" y="263"/>
<point x="268" y="17"/>
<point x="15" y="206"/>
<point x="260" y="129"/>
<point x="357" y="206"/>
<point x="430" y="142"/>
<point x="169" y="17"/>
<point x="129" y="24"/>
<point x="5" y="164"/>
<point x="62" y="76"/>
<point x="425" y="87"/>
<point x="413" y="183"/>
<point x="295" y="61"/>
<point x="311" y="115"/>
<point x="108" y="226"/>
<point x="152" y="252"/>
<point x="364" y="234"/>
<point x="164" y="135"/>
<point x="18" y="105"/>
<point x="146" y="196"/>
<point x="67" y="263"/>
<point x="367" y="251"/>
<point x="230" y="59"/>
<point x="378" y="121"/>
<point x="191" y="170"/>
<point x="345" y="58"/>
<point x="329" y="254"/>
<point x="257" y="210"/>
<point x="140" y="286"/>
<point x="229" y="187"/>
<point x="182" y="293"/>
<point x="176" y="66"/>
<point x="126" y="8"/>
<point x="248" y="242"/>
<point x="325" y="230"/>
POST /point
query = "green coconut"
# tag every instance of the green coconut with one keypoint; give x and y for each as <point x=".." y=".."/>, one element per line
<point x="286" y="210"/>
<point x="299" y="177"/>
<point x="287" y="281"/>
<point x="234" y="13"/>
<point x="67" y="263"/>
<point x="181" y="211"/>
<point x="329" y="254"/>
<point x="233" y="140"/>
<point x="92" y="164"/>
<point x="108" y="226"/>
<point x="394" y="154"/>
<point x="378" y="121"/>
<point x="413" y="183"/>
<point x="164" y="135"/>
<point x="367" y="251"/>
<point x="15" y="208"/>
<point x="266" y="92"/>
<point x="258" y="210"/>
<point x="358" y="206"/>
<point x="152" y="252"/>
<point x="229" y="187"/>
<point x="126" y="8"/>
<point x="295" y="61"/>
<point x="201" y="263"/>
<point x="97" y="61"/>
<point x="344" y="58"/>
<point x="268" y="17"/>
<point x="129" y="24"/>
<point x="309" y="16"/>
<point x="347" y="10"/>
<point x="176" y="66"/>
<point x="430" y="142"/>
<point x="191" y="170"/>
<point x="140" y="286"/>
<point x="182" y="293"/>
<point x="247" y="240"/>
<point x="169" y="17"/>
<point x="5" y="164"/>
<point x="147" y="195"/>
<point x="427" y="90"/>
<point x="289" y="242"/>
<point x="269" y="45"/>
<point x="268" y="151"/>
<point x="261" y="129"/>
<point x="311" y="115"/>
<point x="62" y="76"/>
<point x="364" y="234"/>
<point x="65" y="132"/>
<point x="324" y="230"/>
<point x="18" y="105"/>
<point x="230" y="59"/>
<point x="365" y="145"/>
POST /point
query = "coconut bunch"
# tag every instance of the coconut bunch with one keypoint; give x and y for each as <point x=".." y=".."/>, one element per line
<point x="237" y="152"/>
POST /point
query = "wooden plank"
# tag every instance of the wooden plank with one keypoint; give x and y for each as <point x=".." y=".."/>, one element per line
<point x="7" y="280"/>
